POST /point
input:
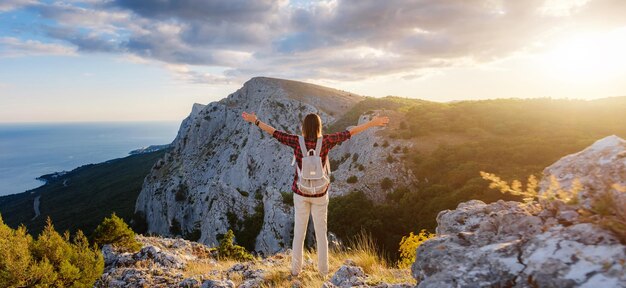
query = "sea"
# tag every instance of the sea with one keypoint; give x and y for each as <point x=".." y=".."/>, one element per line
<point x="29" y="150"/>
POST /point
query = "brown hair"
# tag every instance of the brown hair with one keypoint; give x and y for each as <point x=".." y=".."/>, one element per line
<point x="311" y="126"/>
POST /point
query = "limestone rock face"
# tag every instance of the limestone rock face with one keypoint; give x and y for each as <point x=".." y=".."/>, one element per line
<point x="510" y="244"/>
<point x="365" y="157"/>
<point x="225" y="173"/>
<point x="598" y="168"/>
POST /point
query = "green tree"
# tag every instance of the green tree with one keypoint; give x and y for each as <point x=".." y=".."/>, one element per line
<point x="49" y="261"/>
<point x="115" y="231"/>
<point x="229" y="250"/>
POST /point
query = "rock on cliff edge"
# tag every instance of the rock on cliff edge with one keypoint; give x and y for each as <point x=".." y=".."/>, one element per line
<point x="224" y="173"/>
<point x="510" y="244"/>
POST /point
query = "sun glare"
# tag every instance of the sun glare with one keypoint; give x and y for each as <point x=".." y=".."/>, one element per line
<point x="588" y="58"/>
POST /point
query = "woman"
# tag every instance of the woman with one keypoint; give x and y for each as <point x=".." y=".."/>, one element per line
<point x="316" y="204"/>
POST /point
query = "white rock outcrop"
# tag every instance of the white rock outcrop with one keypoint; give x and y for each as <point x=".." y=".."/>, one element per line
<point x="510" y="244"/>
<point x="224" y="172"/>
<point x="597" y="168"/>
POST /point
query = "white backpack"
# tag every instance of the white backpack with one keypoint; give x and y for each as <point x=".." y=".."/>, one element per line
<point x="314" y="176"/>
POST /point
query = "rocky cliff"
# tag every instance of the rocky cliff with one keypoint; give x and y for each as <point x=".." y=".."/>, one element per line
<point x="511" y="244"/>
<point x="225" y="173"/>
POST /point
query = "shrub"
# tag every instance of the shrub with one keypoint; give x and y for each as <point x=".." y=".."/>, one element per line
<point x="175" y="227"/>
<point x="243" y="193"/>
<point x="386" y="183"/>
<point x="530" y="194"/>
<point x="352" y="179"/>
<point x="114" y="231"/>
<point x="194" y="235"/>
<point x="247" y="229"/>
<point x="607" y="211"/>
<point x="408" y="247"/>
<point x="50" y="261"/>
<point x="390" y="159"/>
<point x="287" y="198"/>
<point x="606" y="208"/>
<point x="139" y="223"/>
<point x="385" y="144"/>
<point x="181" y="192"/>
<point x="228" y="250"/>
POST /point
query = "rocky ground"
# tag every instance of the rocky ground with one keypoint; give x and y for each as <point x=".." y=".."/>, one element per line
<point x="165" y="262"/>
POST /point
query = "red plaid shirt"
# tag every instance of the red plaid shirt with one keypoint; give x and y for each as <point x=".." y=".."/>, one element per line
<point x="328" y="142"/>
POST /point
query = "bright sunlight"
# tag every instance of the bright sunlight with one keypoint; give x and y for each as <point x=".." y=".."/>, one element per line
<point x="591" y="57"/>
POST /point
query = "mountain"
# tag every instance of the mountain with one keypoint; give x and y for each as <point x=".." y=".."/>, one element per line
<point x="225" y="173"/>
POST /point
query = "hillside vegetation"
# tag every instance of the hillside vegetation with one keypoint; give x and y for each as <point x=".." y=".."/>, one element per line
<point x="453" y="142"/>
<point x="90" y="193"/>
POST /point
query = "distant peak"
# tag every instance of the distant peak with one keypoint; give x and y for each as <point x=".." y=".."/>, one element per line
<point x="196" y="108"/>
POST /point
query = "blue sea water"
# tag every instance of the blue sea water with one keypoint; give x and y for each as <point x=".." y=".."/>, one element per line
<point x="28" y="150"/>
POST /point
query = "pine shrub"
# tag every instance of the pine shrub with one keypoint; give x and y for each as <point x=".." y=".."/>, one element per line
<point x="229" y="250"/>
<point x="352" y="179"/>
<point x="116" y="232"/>
<point x="51" y="260"/>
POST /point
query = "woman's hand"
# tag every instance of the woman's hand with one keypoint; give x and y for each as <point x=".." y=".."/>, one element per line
<point x="380" y="121"/>
<point x="249" y="117"/>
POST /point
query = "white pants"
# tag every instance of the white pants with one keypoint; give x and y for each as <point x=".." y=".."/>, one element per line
<point x="318" y="207"/>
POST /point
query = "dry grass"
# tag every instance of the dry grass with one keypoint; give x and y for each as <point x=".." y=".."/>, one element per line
<point x="194" y="268"/>
<point x="362" y="251"/>
<point x="607" y="211"/>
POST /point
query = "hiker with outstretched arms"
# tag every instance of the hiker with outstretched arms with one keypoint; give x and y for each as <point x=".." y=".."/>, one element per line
<point x="312" y="179"/>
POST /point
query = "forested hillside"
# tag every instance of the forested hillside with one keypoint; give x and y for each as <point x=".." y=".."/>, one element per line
<point x="452" y="142"/>
<point x="81" y="198"/>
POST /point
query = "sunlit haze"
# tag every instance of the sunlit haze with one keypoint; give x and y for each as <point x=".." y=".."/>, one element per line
<point x="122" y="60"/>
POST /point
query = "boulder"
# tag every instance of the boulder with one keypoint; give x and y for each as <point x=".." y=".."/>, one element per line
<point x="512" y="244"/>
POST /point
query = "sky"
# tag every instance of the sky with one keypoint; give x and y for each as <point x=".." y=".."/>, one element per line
<point x="145" y="60"/>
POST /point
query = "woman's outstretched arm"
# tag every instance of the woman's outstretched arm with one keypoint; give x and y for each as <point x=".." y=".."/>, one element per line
<point x="376" y="121"/>
<point x="251" y="117"/>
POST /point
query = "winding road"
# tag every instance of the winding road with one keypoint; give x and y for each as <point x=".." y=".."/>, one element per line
<point x="36" y="207"/>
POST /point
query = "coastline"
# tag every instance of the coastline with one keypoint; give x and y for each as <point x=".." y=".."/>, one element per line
<point x="53" y="177"/>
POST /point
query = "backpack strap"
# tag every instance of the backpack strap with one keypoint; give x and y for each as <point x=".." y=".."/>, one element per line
<point x="302" y="145"/>
<point x="327" y="166"/>
<point x="304" y="153"/>
<point x="318" y="146"/>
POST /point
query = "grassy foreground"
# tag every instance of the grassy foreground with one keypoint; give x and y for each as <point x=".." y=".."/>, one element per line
<point x="362" y="251"/>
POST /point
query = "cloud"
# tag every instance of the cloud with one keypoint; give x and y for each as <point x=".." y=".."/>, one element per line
<point x="13" y="47"/>
<point x="8" y="5"/>
<point x="336" y="39"/>
<point x="183" y="72"/>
